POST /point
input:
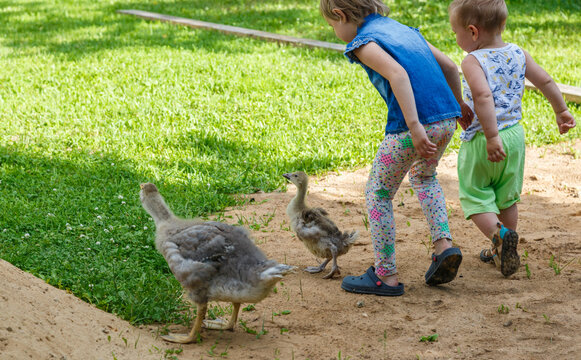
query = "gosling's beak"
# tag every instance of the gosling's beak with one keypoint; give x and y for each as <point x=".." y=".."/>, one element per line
<point x="287" y="176"/>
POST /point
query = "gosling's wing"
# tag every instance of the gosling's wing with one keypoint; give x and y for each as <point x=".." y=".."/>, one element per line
<point x="314" y="225"/>
<point x="196" y="254"/>
<point x="319" y="211"/>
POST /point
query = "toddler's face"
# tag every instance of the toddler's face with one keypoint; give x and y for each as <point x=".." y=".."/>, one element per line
<point x="464" y="36"/>
<point x="345" y="31"/>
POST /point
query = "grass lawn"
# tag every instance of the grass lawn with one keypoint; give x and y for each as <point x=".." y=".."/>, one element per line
<point x="92" y="103"/>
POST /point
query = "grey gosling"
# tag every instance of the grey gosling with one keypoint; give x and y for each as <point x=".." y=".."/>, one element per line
<point x="314" y="228"/>
<point x="213" y="261"/>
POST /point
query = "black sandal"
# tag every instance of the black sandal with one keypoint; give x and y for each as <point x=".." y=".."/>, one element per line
<point x="487" y="256"/>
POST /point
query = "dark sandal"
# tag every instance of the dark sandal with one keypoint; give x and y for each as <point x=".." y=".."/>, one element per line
<point x="444" y="267"/>
<point x="369" y="283"/>
<point x="509" y="259"/>
<point x="487" y="256"/>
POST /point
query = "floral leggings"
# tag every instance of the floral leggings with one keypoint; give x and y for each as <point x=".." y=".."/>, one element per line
<point x="394" y="159"/>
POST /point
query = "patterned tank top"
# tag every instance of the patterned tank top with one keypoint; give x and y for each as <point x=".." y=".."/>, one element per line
<point x="504" y="69"/>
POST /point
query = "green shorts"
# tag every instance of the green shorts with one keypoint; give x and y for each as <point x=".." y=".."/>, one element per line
<point x="485" y="186"/>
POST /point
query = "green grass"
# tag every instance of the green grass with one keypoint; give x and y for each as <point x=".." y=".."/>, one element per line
<point x="92" y="103"/>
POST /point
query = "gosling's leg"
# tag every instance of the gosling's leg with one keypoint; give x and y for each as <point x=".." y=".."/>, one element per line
<point x="220" y="324"/>
<point x="194" y="334"/>
<point x="335" y="268"/>
<point x="317" y="269"/>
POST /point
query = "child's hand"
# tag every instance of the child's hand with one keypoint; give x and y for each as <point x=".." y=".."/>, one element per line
<point x="467" y="116"/>
<point x="565" y="121"/>
<point x="422" y="144"/>
<point x="494" y="148"/>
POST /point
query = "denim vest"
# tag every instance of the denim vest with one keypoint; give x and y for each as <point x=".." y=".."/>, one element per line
<point x="434" y="98"/>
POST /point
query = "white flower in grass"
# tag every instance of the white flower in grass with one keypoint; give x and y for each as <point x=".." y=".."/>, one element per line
<point x="145" y="228"/>
<point x="80" y="225"/>
<point x="26" y="235"/>
<point x="50" y="215"/>
<point x="122" y="202"/>
<point x="112" y="164"/>
<point x="88" y="249"/>
<point x="98" y="243"/>
<point x="4" y="230"/>
<point x="91" y="286"/>
<point x="99" y="217"/>
<point x="133" y="226"/>
<point x="106" y="230"/>
<point x="127" y="247"/>
<point x="54" y="189"/>
<point x="111" y="227"/>
<point x="82" y="236"/>
<point x="96" y="208"/>
<point x="120" y="197"/>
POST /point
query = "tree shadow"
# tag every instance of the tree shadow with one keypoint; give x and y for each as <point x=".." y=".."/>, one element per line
<point x="100" y="27"/>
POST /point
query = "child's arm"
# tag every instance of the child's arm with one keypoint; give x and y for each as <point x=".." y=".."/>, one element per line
<point x="543" y="81"/>
<point x="377" y="59"/>
<point x="484" y="107"/>
<point x="450" y="71"/>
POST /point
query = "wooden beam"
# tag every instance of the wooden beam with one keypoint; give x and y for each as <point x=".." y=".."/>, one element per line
<point x="570" y="93"/>
<point x="234" y="30"/>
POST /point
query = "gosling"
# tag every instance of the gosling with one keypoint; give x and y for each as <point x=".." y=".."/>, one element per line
<point x="314" y="228"/>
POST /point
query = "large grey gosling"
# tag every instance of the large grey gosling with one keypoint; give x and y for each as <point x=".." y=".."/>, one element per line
<point x="313" y="227"/>
<point x="212" y="261"/>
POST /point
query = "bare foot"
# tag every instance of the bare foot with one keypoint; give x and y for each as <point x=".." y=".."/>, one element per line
<point x="442" y="245"/>
<point x="390" y="280"/>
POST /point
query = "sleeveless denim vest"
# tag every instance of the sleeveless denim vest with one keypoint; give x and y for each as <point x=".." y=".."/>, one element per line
<point x="434" y="98"/>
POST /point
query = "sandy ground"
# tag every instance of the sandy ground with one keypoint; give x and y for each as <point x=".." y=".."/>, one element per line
<point x="541" y="317"/>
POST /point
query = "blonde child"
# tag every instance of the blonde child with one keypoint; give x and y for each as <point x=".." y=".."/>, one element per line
<point x="492" y="154"/>
<point x="422" y="90"/>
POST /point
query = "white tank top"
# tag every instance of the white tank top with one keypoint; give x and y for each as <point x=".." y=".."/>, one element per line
<point x="504" y="69"/>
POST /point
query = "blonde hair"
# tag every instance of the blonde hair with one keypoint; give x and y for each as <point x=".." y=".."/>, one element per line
<point x="355" y="10"/>
<point x="489" y="14"/>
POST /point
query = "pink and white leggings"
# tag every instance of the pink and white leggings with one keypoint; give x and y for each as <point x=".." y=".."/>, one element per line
<point x="394" y="159"/>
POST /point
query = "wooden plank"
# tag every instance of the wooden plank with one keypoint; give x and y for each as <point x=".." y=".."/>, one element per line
<point x="570" y="93"/>
<point x="234" y="30"/>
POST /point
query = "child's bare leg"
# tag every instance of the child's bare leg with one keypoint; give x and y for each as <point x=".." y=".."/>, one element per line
<point x="486" y="223"/>
<point x="509" y="217"/>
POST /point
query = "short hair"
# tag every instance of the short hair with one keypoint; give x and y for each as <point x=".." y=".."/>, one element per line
<point x="355" y="10"/>
<point x="489" y="14"/>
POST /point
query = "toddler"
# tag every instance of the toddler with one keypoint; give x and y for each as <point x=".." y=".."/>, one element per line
<point x="422" y="90"/>
<point x="492" y="154"/>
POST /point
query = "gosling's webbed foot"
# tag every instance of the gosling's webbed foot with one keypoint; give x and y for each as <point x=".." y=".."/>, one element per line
<point x="317" y="269"/>
<point x="334" y="270"/>
<point x="182" y="338"/>
<point x="313" y="269"/>
<point x="218" y="324"/>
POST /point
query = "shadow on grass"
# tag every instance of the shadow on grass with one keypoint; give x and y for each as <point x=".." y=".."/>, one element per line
<point x="97" y="27"/>
<point x="78" y="224"/>
<point x="77" y="30"/>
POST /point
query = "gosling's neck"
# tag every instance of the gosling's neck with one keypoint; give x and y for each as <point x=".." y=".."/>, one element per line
<point x="297" y="204"/>
<point x="158" y="209"/>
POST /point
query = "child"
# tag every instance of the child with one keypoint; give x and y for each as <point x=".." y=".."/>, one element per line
<point x="422" y="90"/>
<point x="492" y="155"/>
